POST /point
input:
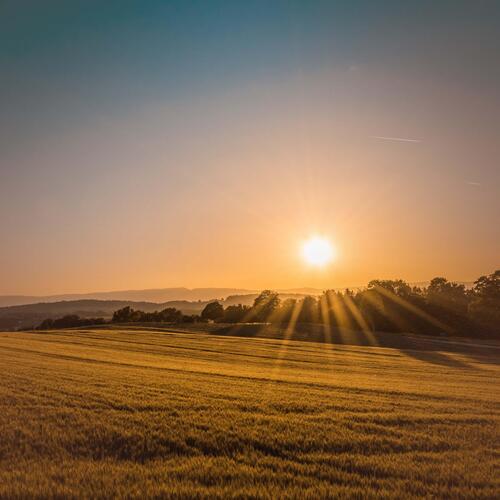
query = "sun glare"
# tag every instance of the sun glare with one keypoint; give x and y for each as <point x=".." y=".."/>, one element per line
<point x="317" y="251"/>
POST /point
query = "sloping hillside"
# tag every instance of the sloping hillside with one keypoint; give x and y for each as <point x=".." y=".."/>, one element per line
<point x="147" y="414"/>
<point x="32" y="314"/>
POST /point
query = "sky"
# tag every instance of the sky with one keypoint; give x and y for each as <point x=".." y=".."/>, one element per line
<point x="150" y="144"/>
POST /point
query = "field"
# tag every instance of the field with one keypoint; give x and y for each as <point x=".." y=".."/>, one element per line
<point x="138" y="413"/>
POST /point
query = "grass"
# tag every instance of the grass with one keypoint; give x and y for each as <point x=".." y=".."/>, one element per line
<point x="136" y="413"/>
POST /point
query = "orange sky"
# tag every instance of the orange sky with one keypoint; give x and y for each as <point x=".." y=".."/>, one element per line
<point x="245" y="195"/>
<point x="129" y="180"/>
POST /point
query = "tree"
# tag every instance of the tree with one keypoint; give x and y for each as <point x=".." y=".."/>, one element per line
<point x="190" y="318"/>
<point x="46" y="324"/>
<point x="69" y="321"/>
<point x="129" y="315"/>
<point x="448" y="295"/>
<point x="485" y="305"/>
<point x="488" y="287"/>
<point x="309" y="312"/>
<point x="123" y="315"/>
<point x="287" y="311"/>
<point x="388" y="304"/>
<point x="170" y="315"/>
<point x="236" y="313"/>
<point x="397" y="287"/>
<point x="265" y="305"/>
<point x="213" y="311"/>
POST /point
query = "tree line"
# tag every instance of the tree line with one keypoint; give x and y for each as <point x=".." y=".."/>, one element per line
<point x="69" y="321"/>
<point x="443" y="307"/>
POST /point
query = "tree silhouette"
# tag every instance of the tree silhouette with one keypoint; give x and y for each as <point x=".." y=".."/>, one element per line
<point x="123" y="315"/>
<point x="309" y="312"/>
<point x="213" y="311"/>
<point x="236" y="313"/>
<point x="265" y="305"/>
<point x="385" y="305"/>
<point x="485" y="306"/>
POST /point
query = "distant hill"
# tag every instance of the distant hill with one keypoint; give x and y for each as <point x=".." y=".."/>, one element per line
<point x="248" y="299"/>
<point x="159" y="296"/>
<point x="25" y="316"/>
<point x="162" y="295"/>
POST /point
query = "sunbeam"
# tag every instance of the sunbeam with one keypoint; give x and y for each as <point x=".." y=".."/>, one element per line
<point x="412" y="308"/>
<point x="356" y="313"/>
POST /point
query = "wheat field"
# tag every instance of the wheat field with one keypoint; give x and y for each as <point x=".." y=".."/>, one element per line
<point x="145" y="413"/>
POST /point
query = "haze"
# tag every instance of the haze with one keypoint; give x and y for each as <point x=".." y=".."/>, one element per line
<point x="154" y="144"/>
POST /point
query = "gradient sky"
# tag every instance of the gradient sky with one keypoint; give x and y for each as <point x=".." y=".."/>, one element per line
<point x="197" y="143"/>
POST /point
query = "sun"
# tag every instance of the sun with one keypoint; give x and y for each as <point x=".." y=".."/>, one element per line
<point x="317" y="251"/>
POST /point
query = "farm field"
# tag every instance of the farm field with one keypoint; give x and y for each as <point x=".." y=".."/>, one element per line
<point x="140" y="412"/>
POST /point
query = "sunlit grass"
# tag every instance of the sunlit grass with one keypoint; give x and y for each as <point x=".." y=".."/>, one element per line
<point x="142" y="413"/>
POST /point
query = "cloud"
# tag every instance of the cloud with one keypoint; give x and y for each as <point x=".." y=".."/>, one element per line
<point x="397" y="139"/>
<point x="473" y="183"/>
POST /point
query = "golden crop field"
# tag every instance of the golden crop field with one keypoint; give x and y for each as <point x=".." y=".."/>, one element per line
<point x="144" y="413"/>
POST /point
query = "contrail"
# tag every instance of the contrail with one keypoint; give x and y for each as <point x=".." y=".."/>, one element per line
<point x="400" y="139"/>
